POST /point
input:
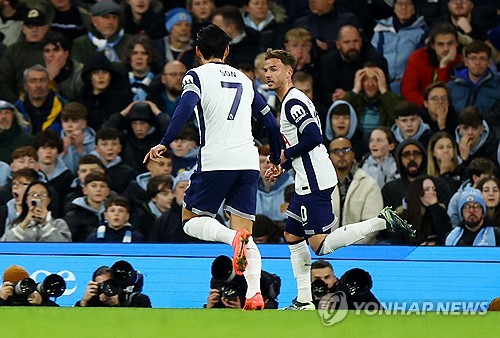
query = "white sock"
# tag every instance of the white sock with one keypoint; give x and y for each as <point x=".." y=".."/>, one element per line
<point x="209" y="229"/>
<point x="254" y="267"/>
<point x="350" y="233"/>
<point x="301" y="266"/>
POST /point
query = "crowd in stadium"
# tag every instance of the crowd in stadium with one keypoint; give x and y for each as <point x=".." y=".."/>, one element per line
<point x="407" y="92"/>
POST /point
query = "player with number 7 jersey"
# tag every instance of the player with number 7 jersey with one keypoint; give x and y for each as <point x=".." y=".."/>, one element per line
<point x="224" y="101"/>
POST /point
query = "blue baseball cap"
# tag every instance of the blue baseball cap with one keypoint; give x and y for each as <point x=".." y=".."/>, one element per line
<point x="176" y="15"/>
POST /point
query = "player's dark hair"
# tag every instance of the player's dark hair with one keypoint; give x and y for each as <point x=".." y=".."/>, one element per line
<point x="321" y="264"/>
<point x="285" y="56"/>
<point x="212" y="42"/>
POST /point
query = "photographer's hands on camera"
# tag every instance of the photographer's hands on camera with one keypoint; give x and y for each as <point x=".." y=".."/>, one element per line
<point x="7" y="290"/>
<point x="92" y="291"/>
<point x="214" y="297"/>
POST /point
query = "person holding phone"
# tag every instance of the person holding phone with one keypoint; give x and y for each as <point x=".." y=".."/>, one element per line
<point x="35" y="223"/>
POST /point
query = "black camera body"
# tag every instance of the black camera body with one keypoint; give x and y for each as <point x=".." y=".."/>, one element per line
<point x="52" y="286"/>
<point x="124" y="278"/>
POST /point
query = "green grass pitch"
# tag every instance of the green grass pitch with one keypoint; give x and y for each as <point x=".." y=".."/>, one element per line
<point x="122" y="322"/>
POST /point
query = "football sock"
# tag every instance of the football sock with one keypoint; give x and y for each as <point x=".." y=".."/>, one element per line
<point x="349" y="234"/>
<point x="301" y="266"/>
<point x="209" y="229"/>
<point x="253" y="269"/>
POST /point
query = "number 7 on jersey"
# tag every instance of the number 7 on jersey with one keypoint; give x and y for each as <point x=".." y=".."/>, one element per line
<point x="237" y="98"/>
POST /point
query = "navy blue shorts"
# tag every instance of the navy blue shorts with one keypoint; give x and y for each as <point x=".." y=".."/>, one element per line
<point x="310" y="214"/>
<point x="207" y="190"/>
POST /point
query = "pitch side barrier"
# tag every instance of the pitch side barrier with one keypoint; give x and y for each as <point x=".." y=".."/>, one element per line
<point x="177" y="275"/>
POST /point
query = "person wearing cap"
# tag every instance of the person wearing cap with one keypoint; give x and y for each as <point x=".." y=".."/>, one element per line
<point x="104" y="92"/>
<point x="12" y="134"/>
<point x="23" y="54"/>
<point x="177" y="45"/>
<point x="105" y="35"/>
<point x="144" y="17"/>
<point x="13" y="275"/>
<point x="64" y="72"/>
<point x="476" y="229"/>
<point x="142" y="125"/>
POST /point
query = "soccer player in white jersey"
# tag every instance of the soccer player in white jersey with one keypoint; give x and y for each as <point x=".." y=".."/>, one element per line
<point x="224" y="101"/>
<point x="310" y="213"/>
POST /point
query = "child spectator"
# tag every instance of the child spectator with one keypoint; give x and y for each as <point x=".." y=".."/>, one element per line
<point x="21" y="179"/>
<point x="380" y="163"/>
<point x="116" y="229"/>
<point x="260" y="81"/>
<point x="48" y="146"/>
<point x="108" y="146"/>
<point x="142" y="125"/>
<point x="160" y="201"/>
<point x="185" y="149"/>
<point x="136" y="191"/>
<point x="86" y="213"/>
<point x="409" y="124"/>
<point x="78" y="139"/>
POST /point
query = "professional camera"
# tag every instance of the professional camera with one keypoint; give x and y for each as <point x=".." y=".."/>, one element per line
<point x="355" y="282"/>
<point x="123" y="278"/>
<point x="25" y="287"/>
<point x="52" y="286"/>
<point x="319" y="288"/>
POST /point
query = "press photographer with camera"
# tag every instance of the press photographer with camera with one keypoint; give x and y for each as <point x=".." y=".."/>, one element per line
<point x="228" y="290"/>
<point x="116" y="286"/>
<point x="355" y="283"/>
<point x="18" y="289"/>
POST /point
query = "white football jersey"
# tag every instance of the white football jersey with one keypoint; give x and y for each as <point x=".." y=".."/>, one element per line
<point x="314" y="171"/>
<point x="224" y="115"/>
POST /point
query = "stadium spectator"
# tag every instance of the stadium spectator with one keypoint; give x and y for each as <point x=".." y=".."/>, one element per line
<point x="372" y="100"/>
<point x="471" y="22"/>
<point x="477" y="85"/>
<point x="245" y="43"/>
<point x="40" y="105"/>
<point x="12" y="134"/>
<point x="11" y="22"/>
<point x="341" y="120"/>
<point x="85" y="214"/>
<point x="304" y="82"/>
<point x="476" y="228"/>
<point x="476" y="170"/>
<point x="379" y="162"/>
<point x="185" y="149"/>
<point x="412" y="162"/>
<point x="490" y="191"/>
<point x="11" y="210"/>
<point x="136" y="190"/>
<point x="65" y="74"/>
<point x="431" y="63"/>
<point x="397" y="37"/>
<point x="143" y="64"/>
<point x="493" y="41"/>
<point x="298" y="41"/>
<point x="324" y="20"/>
<point x="142" y="125"/>
<point x="265" y="230"/>
<point x="69" y="19"/>
<point x="86" y="165"/>
<point x="426" y="215"/>
<point x="474" y="136"/>
<point x="338" y="67"/>
<point x="166" y="93"/>
<point x="201" y="13"/>
<point x="116" y="228"/>
<point x="271" y="195"/>
<point x="108" y="146"/>
<point x="160" y="199"/>
<point x="36" y="223"/>
<point x="268" y="18"/>
<point x="13" y="275"/>
<point x="95" y="297"/>
<point x="357" y="196"/>
<point x="144" y="17"/>
<point x="104" y="92"/>
<point x="105" y="34"/>
<point x="438" y="111"/>
<point x="261" y="83"/>
<point x="78" y="139"/>
<point x="409" y="123"/>
<point x="26" y="52"/>
<point x="177" y="45"/>
<point x="442" y="160"/>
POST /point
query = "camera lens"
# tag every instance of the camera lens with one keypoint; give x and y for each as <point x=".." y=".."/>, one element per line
<point x="110" y="287"/>
<point x="52" y="286"/>
<point x="319" y="288"/>
<point x="25" y="287"/>
<point x="124" y="273"/>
